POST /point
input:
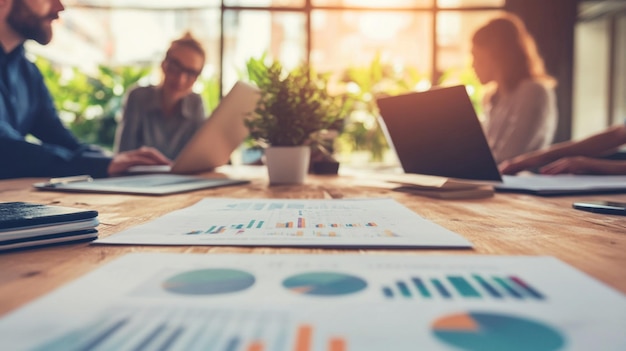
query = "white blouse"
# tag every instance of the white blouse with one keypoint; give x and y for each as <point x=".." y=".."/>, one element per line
<point x="522" y="121"/>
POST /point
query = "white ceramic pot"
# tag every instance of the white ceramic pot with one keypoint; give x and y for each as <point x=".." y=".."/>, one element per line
<point x="287" y="164"/>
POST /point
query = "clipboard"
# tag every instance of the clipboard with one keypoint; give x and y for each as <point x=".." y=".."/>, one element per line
<point x="147" y="184"/>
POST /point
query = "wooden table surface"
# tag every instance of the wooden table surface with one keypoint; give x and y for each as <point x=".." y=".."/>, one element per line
<point x="506" y="224"/>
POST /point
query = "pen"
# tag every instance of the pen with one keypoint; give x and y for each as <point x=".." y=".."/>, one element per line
<point x="65" y="180"/>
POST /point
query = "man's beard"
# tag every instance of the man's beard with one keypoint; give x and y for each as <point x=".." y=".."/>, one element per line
<point x="28" y="24"/>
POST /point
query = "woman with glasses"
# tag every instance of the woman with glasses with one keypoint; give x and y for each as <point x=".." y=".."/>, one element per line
<point x="165" y="116"/>
<point x="520" y="105"/>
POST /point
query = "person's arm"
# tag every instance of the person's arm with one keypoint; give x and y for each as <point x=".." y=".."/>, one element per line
<point x="596" y="145"/>
<point x="47" y="125"/>
<point x="19" y="158"/>
<point x="585" y="165"/>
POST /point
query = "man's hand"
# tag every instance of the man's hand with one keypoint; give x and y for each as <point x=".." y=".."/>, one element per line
<point x="585" y="165"/>
<point x="524" y="162"/>
<point x="143" y="156"/>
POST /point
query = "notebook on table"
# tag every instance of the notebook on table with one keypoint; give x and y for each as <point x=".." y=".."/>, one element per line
<point x="24" y="225"/>
<point x="212" y="145"/>
<point x="437" y="133"/>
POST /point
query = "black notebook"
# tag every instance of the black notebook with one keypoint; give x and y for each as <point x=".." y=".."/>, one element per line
<point x="24" y="224"/>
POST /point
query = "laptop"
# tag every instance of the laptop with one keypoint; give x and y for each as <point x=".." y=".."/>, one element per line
<point x="212" y="145"/>
<point x="437" y="133"/>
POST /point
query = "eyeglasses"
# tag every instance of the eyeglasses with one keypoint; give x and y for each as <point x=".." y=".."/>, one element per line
<point x="174" y="66"/>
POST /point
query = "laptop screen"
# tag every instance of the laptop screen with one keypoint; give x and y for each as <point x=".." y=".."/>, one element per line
<point x="437" y="132"/>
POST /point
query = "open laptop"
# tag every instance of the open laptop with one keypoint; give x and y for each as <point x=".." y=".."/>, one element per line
<point x="212" y="145"/>
<point x="437" y="133"/>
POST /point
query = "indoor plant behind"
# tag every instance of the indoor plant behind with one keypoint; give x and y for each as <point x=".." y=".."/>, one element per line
<point x="294" y="113"/>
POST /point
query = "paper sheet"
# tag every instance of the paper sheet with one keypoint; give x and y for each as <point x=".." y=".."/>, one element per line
<point x="563" y="184"/>
<point x="287" y="222"/>
<point x="160" y="301"/>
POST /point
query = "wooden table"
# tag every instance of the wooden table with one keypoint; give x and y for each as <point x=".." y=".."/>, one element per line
<point x="506" y="224"/>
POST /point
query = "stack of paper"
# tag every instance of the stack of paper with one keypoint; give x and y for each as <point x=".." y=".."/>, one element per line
<point x="25" y="224"/>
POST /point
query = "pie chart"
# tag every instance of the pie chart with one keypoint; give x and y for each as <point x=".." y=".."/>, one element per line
<point x="496" y="332"/>
<point x="324" y="283"/>
<point x="209" y="282"/>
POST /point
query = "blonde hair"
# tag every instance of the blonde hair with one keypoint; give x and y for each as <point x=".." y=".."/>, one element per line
<point x="513" y="48"/>
<point x="187" y="40"/>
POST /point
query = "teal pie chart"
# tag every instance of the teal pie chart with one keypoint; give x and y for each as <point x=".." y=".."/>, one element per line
<point x="324" y="284"/>
<point x="477" y="331"/>
<point x="209" y="282"/>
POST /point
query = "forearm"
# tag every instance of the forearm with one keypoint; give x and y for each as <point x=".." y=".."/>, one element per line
<point x="22" y="159"/>
<point x="596" y="145"/>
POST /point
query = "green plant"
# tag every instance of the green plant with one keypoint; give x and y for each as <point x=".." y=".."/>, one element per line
<point x="295" y="107"/>
<point x="365" y="83"/>
<point x="88" y="104"/>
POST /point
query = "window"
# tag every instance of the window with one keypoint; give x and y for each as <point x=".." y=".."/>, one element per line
<point x="400" y="44"/>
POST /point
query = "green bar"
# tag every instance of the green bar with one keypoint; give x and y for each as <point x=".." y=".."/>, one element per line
<point x="419" y="284"/>
<point x="463" y="287"/>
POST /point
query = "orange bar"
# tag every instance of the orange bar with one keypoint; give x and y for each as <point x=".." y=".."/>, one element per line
<point x="336" y="344"/>
<point x="304" y="337"/>
<point x="256" y="346"/>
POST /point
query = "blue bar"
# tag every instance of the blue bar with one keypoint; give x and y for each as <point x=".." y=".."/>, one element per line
<point x="388" y="292"/>
<point x="104" y="335"/>
<point x="529" y="289"/>
<point x="251" y="224"/>
<point x="404" y="290"/>
<point x="232" y="344"/>
<point x="442" y="289"/>
<point x="421" y="287"/>
<point x="509" y="289"/>
<point x="490" y="289"/>
<point x="150" y="337"/>
<point x="260" y="225"/>
<point x="171" y="339"/>
<point x="463" y="286"/>
<point x="210" y="229"/>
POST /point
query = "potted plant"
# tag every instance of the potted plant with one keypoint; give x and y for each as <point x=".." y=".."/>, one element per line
<point x="294" y="114"/>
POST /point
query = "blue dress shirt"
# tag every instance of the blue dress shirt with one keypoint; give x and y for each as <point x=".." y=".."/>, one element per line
<point x="26" y="107"/>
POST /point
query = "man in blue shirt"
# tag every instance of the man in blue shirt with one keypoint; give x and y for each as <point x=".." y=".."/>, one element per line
<point x="26" y="107"/>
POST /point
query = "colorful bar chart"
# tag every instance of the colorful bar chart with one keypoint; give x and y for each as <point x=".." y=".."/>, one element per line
<point x="298" y="222"/>
<point x="175" y="329"/>
<point x="474" y="286"/>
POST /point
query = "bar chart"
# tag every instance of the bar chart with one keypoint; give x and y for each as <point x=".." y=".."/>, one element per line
<point x="197" y="329"/>
<point x="468" y="286"/>
<point x="378" y="222"/>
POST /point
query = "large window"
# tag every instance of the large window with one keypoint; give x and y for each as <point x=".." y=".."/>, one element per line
<point x="427" y="35"/>
<point x="369" y="46"/>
